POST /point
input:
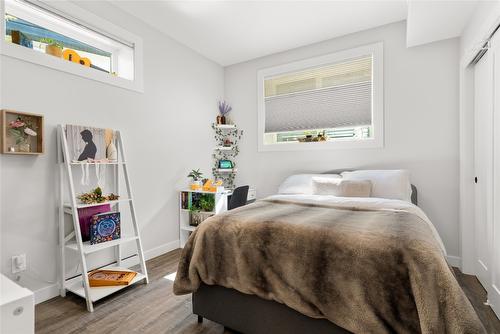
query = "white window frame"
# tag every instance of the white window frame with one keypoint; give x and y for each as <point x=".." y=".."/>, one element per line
<point x="377" y="139"/>
<point x="73" y="11"/>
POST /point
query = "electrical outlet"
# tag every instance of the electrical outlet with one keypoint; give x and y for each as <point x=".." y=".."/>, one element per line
<point x="18" y="263"/>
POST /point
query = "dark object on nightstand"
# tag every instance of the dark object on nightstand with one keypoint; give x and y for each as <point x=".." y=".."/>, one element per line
<point x="238" y="197"/>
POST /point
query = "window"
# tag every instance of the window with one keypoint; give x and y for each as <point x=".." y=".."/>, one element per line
<point x="49" y="36"/>
<point x="332" y="101"/>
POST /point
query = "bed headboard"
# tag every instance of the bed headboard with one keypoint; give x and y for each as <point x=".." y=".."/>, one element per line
<point x="414" y="191"/>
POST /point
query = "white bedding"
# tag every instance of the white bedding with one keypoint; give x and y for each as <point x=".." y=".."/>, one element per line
<point x="371" y="203"/>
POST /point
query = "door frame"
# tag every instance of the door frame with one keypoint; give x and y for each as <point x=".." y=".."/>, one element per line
<point x="466" y="142"/>
<point x="494" y="290"/>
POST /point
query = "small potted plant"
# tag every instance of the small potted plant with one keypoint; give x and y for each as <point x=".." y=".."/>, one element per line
<point x="224" y="109"/>
<point x="196" y="177"/>
<point x="53" y="48"/>
<point x="207" y="203"/>
<point x="201" y="209"/>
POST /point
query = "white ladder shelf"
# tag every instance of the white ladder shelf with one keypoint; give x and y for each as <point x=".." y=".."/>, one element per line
<point x="73" y="240"/>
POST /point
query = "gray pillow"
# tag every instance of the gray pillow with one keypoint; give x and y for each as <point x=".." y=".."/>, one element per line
<point x="341" y="188"/>
<point x="301" y="184"/>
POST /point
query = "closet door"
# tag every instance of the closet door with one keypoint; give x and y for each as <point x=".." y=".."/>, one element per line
<point x="483" y="164"/>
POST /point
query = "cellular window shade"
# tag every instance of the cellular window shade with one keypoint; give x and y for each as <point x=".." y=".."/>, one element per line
<point x="332" y="96"/>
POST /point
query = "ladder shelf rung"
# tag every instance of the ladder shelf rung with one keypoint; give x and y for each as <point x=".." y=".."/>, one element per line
<point x="88" y="248"/>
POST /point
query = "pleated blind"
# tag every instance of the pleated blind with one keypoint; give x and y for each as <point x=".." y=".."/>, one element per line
<point x="332" y="96"/>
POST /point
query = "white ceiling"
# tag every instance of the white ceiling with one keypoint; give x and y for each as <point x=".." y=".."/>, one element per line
<point x="230" y="32"/>
<point x="430" y="21"/>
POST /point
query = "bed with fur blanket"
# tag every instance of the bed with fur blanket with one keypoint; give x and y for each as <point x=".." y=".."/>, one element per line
<point x="366" y="266"/>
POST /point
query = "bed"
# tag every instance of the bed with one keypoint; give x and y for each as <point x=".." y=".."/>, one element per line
<point x="303" y="262"/>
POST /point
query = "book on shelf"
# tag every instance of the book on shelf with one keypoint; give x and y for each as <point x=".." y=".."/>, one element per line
<point x="103" y="277"/>
<point x="185" y="200"/>
<point x="85" y="217"/>
<point x="195" y="200"/>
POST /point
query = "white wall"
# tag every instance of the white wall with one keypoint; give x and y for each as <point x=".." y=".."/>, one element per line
<point x="421" y="123"/>
<point x="166" y="131"/>
<point x="486" y="15"/>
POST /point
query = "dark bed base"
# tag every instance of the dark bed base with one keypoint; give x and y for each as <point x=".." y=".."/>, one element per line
<point x="250" y="314"/>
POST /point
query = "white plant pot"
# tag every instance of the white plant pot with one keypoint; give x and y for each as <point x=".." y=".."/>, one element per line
<point x="196" y="185"/>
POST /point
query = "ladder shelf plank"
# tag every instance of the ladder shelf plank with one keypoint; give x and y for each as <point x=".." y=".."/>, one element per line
<point x="97" y="293"/>
<point x="88" y="248"/>
<point x="83" y="205"/>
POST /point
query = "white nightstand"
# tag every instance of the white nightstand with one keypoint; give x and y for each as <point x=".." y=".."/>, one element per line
<point x="17" y="308"/>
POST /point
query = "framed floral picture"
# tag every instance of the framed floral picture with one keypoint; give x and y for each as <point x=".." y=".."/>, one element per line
<point x="22" y="133"/>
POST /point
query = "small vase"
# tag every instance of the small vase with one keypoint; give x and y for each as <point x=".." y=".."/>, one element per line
<point x="196" y="185"/>
<point x="111" y="152"/>
<point x="24" y="147"/>
<point x="223" y="120"/>
<point x="218" y="120"/>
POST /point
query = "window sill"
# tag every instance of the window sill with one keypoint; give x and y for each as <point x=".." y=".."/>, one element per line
<point x="328" y="145"/>
<point x="32" y="56"/>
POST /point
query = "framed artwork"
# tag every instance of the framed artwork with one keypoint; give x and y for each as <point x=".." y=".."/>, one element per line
<point x="22" y="133"/>
<point x="225" y="164"/>
<point x="86" y="142"/>
<point x="105" y="227"/>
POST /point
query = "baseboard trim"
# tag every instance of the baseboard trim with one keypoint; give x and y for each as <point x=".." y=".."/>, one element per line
<point x="52" y="290"/>
<point x="162" y="249"/>
<point x="46" y="293"/>
<point x="454" y="261"/>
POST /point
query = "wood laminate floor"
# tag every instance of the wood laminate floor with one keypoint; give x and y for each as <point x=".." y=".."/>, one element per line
<point x="153" y="308"/>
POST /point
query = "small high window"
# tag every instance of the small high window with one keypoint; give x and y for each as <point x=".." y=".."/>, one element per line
<point x="334" y="100"/>
<point x="52" y="33"/>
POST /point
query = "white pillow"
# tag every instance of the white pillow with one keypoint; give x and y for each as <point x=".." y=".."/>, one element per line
<point x="301" y="184"/>
<point x="391" y="184"/>
<point x="341" y="187"/>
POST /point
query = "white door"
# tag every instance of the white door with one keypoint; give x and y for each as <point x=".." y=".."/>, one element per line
<point x="483" y="164"/>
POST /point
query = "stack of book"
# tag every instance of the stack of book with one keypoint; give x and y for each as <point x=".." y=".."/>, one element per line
<point x="98" y="224"/>
<point x="185" y="200"/>
<point x="105" y="277"/>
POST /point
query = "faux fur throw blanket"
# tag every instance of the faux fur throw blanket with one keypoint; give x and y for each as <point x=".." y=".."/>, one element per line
<point x="368" y="271"/>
